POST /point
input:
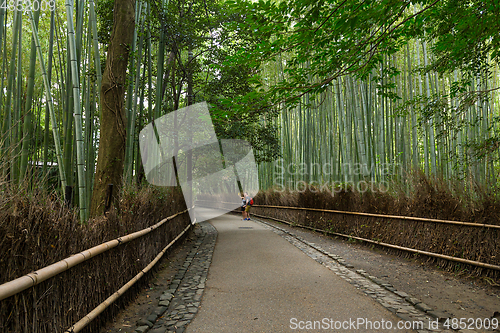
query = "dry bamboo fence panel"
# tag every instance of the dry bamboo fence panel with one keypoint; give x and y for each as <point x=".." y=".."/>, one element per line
<point x="449" y="241"/>
<point x="77" y="327"/>
<point x="29" y="280"/>
<point x="409" y="218"/>
<point x="59" y="297"/>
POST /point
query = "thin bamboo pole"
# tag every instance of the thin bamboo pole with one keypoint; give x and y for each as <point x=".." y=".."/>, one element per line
<point x="133" y="97"/>
<point x="95" y="43"/>
<point x="159" y="71"/>
<point x="29" y="103"/>
<point x="3" y="54"/>
<point x="50" y="104"/>
<point x="7" y="121"/>
<point x="47" y="111"/>
<point x="430" y="126"/>
<point x="16" y="123"/>
<point x="77" y="112"/>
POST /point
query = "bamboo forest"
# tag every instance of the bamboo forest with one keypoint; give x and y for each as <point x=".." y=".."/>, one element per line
<point x="326" y="92"/>
<point x="393" y="85"/>
<point x="338" y="107"/>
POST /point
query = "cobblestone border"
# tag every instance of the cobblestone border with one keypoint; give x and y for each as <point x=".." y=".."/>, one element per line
<point x="400" y="303"/>
<point x="179" y="304"/>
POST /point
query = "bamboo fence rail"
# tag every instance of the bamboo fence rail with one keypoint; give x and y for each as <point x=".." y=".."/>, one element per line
<point x="430" y="254"/>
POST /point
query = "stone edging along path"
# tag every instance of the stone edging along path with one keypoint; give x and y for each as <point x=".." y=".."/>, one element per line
<point x="179" y="304"/>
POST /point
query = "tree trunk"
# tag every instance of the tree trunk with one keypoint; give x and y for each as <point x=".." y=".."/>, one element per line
<point x="113" y="123"/>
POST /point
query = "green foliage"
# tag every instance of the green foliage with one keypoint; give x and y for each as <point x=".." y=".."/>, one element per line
<point x="465" y="35"/>
<point x="104" y="12"/>
<point x="329" y="39"/>
<point x="319" y="42"/>
<point x="212" y="32"/>
<point x="325" y="40"/>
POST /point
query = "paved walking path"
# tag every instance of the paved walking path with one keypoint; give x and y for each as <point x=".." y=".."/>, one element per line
<point x="259" y="282"/>
<point x="254" y="276"/>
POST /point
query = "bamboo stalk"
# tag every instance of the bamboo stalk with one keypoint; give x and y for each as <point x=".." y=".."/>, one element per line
<point x="133" y="97"/>
<point x="3" y="54"/>
<point x="47" y="111"/>
<point x="16" y="133"/>
<point x="77" y="112"/>
<point x="7" y="121"/>
<point x="430" y="126"/>
<point x="29" y="102"/>
<point x="50" y="104"/>
<point x="95" y="43"/>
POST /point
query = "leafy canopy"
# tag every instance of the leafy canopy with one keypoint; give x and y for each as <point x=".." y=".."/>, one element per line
<point x="324" y="40"/>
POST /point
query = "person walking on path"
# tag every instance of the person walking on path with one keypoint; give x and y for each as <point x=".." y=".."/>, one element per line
<point x="247" y="207"/>
<point x="243" y="206"/>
